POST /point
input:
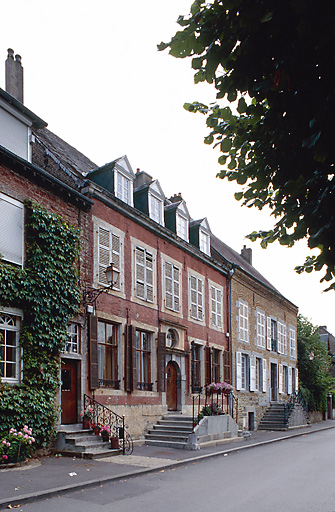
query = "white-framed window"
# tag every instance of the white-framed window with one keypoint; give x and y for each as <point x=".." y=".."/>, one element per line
<point x="204" y="242"/>
<point x="282" y="347"/>
<point x="144" y="274"/>
<point x="242" y="371"/>
<point x="261" y="329"/>
<point x="182" y="227"/>
<point x="109" y="251"/>
<point x="72" y="345"/>
<point x="11" y="230"/>
<point x="216" y="306"/>
<point x="156" y="209"/>
<point x="292" y="341"/>
<point x="124" y="188"/>
<point x="196" y="298"/>
<point x="10" y="323"/>
<point x="172" y="286"/>
<point x="243" y="321"/>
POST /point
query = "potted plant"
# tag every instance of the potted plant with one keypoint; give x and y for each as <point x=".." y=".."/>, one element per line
<point x="114" y="443"/>
<point x="87" y="416"/>
<point x="96" y="428"/>
<point x="105" y="432"/>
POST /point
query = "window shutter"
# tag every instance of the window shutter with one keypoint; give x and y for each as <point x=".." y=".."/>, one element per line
<point x="193" y="297"/>
<point x="219" y="308"/>
<point x="252" y="373"/>
<point x="161" y="348"/>
<point x="290" y="380"/>
<point x="238" y="370"/>
<point x="140" y="272"/>
<point x="284" y="339"/>
<point x="176" y="289"/>
<point x="264" y="376"/>
<point x="168" y="285"/>
<point x="281" y="379"/>
<point x="149" y="277"/>
<point x="227" y="368"/>
<point x="93" y="334"/>
<point x="200" y="308"/>
<point x="296" y="380"/>
<point x="11" y="230"/>
<point x="208" y="373"/>
<point x="268" y="337"/>
<point x="130" y="359"/>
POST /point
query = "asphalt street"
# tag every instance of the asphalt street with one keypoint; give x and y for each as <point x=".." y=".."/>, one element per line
<point x="292" y="475"/>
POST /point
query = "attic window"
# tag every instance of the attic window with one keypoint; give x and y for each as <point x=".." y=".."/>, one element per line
<point x="182" y="227"/>
<point x="204" y="242"/>
<point x="156" y="209"/>
<point x="123" y="189"/>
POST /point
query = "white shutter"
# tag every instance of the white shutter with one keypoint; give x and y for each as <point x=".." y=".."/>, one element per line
<point x="176" y="289"/>
<point x="285" y="339"/>
<point x="200" y="308"/>
<point x="290" y="380"/>
<point x="252" y="373"/>
<point x="296" y="380"/>
<point x="11" y="230"/>
<point x="264" y="376"/>
<point x="149" y="277"/>
<point x="140" y="272"/>
<point x="238" y="370"/>
<point x="168" y="285"/>
<point x="219" y="308"/>
<point x="280" y="378"/>
<point x="268" y="337"/>
<point x="193" y="298"/>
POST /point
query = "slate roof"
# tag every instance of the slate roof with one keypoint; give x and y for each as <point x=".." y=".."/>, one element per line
<point x="61" y="160"/>
<point x="237" y="259"/>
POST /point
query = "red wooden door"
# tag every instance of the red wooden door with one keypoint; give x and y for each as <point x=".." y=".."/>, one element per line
<point x="69" y="392"/>
<point x="171" y="387"/>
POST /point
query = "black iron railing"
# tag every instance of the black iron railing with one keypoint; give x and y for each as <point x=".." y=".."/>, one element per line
<point x="105" y="417"/>
<point x="233" y="407"/>
<point x="196" y="405"/>
<point x="227" y="402"/>
<point x="295" y="398"/>
<point x="106" y="383"/>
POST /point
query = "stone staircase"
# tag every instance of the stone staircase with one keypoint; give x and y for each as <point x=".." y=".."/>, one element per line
<point x="171" y="431"/>
<point x="274" y="417"/>
<point x="74" y="441"/>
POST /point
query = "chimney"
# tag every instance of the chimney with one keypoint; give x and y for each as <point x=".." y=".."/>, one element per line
<point x="246" y="254"/>
<point x="141" y="178"/>
<point x="176" y="198"/>
<point x="14" y="75"/>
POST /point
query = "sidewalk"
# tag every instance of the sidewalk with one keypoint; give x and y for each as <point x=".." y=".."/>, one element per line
<point x="51" y="476"/>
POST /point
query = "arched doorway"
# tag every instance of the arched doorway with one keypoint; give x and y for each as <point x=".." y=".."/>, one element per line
<point x="172" y="387"/>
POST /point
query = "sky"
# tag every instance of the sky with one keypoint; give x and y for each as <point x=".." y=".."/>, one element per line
<point x="93" y="73"/>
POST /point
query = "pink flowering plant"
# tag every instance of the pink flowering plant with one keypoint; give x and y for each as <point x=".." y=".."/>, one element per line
<point x="88" y="413"/>
<point x="105" y="431"/>
<point x="17" y="445"/>
<point x="219" y="387"/>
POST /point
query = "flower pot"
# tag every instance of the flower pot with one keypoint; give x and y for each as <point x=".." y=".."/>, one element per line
<point x="86" y="422"/>
<point x="114" y="443"/>
<point x="105" y="438"/>
<point x="96" y="431"/>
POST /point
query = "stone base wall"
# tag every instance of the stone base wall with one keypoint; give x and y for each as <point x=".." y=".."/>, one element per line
<point x="298" y="417"/>
<point x="212" y="428"/>
<point x="254" y="404"/>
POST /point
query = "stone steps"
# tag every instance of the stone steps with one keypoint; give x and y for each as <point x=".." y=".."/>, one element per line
<point x="171" y="431"/>
<point x="73" y="440"/>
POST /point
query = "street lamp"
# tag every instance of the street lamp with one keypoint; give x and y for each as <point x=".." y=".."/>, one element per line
<point x="90" y="294"/>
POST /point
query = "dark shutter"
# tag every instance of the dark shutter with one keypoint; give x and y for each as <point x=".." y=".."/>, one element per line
<point x="161" y="361"/>
<point x="192" y="367"/>
<point x="93" y="337"/>
<point x="226" y="366"/>
<point x="208" y="366"/>
<point x="129" y="358"/>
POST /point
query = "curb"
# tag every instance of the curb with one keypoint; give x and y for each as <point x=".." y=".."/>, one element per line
<point x="49" y="493"/>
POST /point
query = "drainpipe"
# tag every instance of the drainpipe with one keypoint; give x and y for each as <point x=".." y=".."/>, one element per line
<point x="230" y="341"/>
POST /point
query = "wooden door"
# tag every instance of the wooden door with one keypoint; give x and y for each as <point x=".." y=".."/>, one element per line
<point x="69" y="392"/>
<point x="171" y="386"/>
<point x="274" y="383"/>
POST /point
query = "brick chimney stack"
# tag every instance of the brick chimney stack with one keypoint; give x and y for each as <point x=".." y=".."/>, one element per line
<point x="14" y="75"/>
<point x="246" y="254"/>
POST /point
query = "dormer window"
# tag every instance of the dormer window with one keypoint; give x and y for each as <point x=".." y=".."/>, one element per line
<point x="182" y="227"/>
<point x="204" y="242"/>
<point x="123" y="188"/>
<point x="156" y="209"/>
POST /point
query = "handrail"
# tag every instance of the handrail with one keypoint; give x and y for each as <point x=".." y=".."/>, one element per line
<point x="233" y="406"/>
<point x="295" y="398"/>
<point x="196" y="398"/>
<point x="104" y="416"/>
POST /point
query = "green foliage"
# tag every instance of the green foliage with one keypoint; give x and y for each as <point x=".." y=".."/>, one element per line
<point x="274" y="62"/>
<point x="315" y="380"/>
<point x="48" y="293"/>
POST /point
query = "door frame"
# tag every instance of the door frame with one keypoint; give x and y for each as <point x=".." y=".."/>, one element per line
<point x="178" y="383"/>
<point x="75" y="364"/>
<point x="274" y="382"/>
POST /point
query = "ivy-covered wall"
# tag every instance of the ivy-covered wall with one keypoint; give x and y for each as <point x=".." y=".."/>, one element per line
<point x="47" y="291"/>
